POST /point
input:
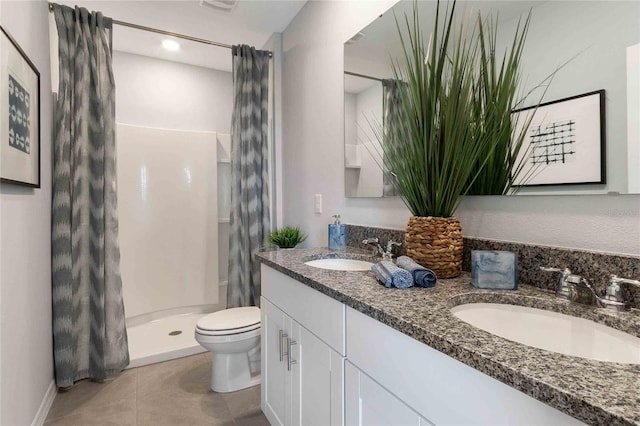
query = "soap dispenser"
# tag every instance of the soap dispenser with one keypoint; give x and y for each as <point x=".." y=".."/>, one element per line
<point x="337" y="234"/>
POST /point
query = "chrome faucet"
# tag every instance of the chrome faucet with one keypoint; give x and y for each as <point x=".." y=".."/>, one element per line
<point x="386" y="254"/>
<point x="571" y="287"/>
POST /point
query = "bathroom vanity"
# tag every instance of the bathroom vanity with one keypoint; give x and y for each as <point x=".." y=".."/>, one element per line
<point x="339" y="348"/>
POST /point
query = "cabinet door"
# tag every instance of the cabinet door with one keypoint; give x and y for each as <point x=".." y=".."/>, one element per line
<point x="368" y="403"/>
<point x="274" y="386"/>
<point x="317" y="381"/>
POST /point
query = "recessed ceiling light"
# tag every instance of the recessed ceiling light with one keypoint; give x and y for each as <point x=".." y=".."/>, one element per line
<point x="171" y="45"/>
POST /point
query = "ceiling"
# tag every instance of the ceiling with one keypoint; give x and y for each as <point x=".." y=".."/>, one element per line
<point x="252" y="22"/>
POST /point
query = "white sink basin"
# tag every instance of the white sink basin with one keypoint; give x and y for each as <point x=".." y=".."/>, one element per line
<point x="552" y="331"/>
<point x="340" y="264"/>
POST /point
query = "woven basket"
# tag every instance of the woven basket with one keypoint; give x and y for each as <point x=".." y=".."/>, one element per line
<point x="436" y="243"/>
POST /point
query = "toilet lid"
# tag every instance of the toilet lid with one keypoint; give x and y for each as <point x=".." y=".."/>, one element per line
<point x="234" y="320"/>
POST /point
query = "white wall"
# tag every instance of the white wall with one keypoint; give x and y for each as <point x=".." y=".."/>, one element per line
<point x="314" y="149"/>
<point x="313" y="110"/>
<point x="156" y="93"/>
<point x="26" y="359"/>
<point x="633" y="117"/>
<point x="274" y="45"/>
<point x="163" y="94"/>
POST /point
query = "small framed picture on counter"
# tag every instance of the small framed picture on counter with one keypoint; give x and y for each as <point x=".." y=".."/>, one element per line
<point x="19" y="115"/>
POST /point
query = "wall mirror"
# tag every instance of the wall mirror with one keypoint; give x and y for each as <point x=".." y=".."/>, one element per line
<point x="597" y="41"/>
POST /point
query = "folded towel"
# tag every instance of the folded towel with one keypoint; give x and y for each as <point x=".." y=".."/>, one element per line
<point x="422" y="276"/>
<point x="392" y="276"/>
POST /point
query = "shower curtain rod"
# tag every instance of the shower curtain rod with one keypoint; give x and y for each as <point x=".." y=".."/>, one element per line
<point x="167" y="33"/>
<point x="355" y="74"/>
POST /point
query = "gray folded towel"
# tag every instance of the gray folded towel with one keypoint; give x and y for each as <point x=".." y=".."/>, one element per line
<point x="422" y="276"/>
<point x="392" y="276"/>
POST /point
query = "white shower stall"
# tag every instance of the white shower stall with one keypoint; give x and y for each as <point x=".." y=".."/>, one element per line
<point x="173" y="200"/>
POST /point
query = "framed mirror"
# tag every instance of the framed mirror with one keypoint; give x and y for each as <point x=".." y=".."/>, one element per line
<point x="591" y="46"/>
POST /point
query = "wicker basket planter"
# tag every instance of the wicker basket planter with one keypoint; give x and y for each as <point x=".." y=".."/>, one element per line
<point x="436" y="243"/>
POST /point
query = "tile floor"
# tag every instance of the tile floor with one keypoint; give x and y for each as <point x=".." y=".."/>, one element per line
<point x="170" y="393"/>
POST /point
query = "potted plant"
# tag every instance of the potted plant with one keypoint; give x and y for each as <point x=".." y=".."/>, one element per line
<point x="438" y="144"/>
<point x="287" y="237"/>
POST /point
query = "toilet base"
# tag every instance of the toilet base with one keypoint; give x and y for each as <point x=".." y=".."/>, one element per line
<point x="230" y="373"/>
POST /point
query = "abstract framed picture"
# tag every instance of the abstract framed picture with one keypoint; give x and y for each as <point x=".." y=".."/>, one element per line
<point x="19" y="115"/>
<point x="564" y="142"/>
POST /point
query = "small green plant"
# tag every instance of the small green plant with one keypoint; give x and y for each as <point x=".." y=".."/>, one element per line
<point x="287" y="237"/>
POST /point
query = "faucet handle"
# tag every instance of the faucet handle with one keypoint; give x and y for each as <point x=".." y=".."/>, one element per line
<point x="619" y="280"/>
<point x="613" y="297"/>
<point x="613" y="291"/>
<point x="563" y="289"/>
<point x="565" y="271"/>
<point x="392" y="243"/>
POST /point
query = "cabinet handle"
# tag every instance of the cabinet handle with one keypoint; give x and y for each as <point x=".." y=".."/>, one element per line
<point x="280" y="336"/>
<point x="290" y="361"/>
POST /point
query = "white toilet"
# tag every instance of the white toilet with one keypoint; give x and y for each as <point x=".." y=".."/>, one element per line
<point x="233" y="336"/>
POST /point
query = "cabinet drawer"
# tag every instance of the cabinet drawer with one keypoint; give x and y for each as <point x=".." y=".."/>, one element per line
<point x="320" y="314"/>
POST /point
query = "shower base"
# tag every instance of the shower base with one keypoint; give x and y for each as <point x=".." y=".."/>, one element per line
<point x="163" y="339"/>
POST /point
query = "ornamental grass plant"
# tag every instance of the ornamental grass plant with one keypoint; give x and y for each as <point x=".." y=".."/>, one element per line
<point x="454" y="134"/>
<point x="437" y="148"/>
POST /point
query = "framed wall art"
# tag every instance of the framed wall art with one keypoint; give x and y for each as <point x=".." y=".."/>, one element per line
<point x="564" y="142"/>
<point x="19" y="115"/>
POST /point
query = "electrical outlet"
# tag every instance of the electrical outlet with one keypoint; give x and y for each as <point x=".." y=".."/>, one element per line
<point x="318" y="203"/>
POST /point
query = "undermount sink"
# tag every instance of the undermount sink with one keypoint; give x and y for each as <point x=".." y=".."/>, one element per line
<point x="552" y="331"/>
<point x="341" y="264"/>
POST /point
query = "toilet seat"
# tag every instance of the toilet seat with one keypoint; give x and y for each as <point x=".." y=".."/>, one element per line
<point x="229" y="322"/>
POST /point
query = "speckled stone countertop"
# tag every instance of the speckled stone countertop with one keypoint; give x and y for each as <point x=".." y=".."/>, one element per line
<point x="596" y="392"/>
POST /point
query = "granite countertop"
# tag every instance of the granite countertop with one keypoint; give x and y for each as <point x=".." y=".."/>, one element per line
<point x="595" y="392"/>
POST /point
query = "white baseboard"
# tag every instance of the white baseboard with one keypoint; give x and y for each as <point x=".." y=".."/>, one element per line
<point x="45" y="405"/>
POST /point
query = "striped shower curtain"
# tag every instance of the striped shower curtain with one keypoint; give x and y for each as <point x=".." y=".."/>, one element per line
<point x="249" y="217"/>
<point x="89" y="334"/>
<point x="391" y="115"/>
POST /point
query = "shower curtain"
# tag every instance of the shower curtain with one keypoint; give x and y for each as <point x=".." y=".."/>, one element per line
<point x="89" y="332"/>
<point x="249" y="216"/>
<point x="391" y="110"/>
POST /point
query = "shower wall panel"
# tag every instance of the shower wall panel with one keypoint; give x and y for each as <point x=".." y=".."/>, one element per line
<point x="167" y="196"/>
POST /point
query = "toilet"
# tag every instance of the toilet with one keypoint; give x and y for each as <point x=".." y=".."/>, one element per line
<point x="233" y="337"/>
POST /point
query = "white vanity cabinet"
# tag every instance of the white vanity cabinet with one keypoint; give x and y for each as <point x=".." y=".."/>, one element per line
<point x="441" y="389"/>
<point x="326" y="364"/>
<point x="302" y="353"/>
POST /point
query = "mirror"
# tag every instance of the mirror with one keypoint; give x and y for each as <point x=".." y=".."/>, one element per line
<point x="596" y="44"/>
<point x="362" y="108"/>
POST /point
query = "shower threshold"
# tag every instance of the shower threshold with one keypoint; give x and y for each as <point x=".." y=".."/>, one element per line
<point x="163" y="339"/>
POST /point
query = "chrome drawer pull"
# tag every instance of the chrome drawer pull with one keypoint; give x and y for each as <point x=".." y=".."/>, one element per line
<point x="290" y="361"/>
<point x="281" y="336"/>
